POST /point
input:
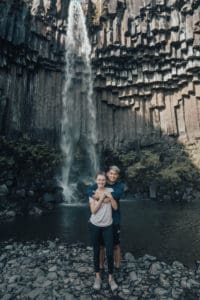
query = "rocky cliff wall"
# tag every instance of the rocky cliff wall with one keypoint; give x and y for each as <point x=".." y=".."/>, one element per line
<point x="146" y="59"/>
<point x="31" y="67"/>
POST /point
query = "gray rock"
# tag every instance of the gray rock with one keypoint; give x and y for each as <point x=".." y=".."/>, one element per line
<point x="53" y="269"/>
<point x="35" y="293"/>
<point x="176" y="292"/>
<point x="38" y="272"/>
<point x="184" y="283"/>
<point x="178" y="265"/>
<point x="40" y="279"/>
<point x="11" y="213"/>
<point x="21" y="193"/>
<point x="164" y="281"/>
<point x="13" y="278"/>
<point x="133" y="276"/>
<point x="69" y="296"/>
<point x="126" y="291"/>
<point x="131" y="265"/>
<point x="61" y="273"/>
<point x="9" y="183"/>
<point x="7" y="297"/>
<point x="9" y="247"/>
<point x="73" y="275"/>
<point x="47" y="283"/>
<point x="129" y="257"/>
<point x="35" y="211"/>
<point x="51" y="245"/>
<point x="155" y="268"/>
<point x="48" y="197"/>
<point x="3" y="190"/>
<point x="149" y="257"/>
<point x="52" y="276"/>
<point x="30" y="193"/>
<point x="193" y="283"/>
<point x="86" y="297"/>
<point x="82" y="269"/>
<point x="160" y="292"/>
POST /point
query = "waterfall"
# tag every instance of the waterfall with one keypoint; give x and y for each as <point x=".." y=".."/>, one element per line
<point x="78" y="115"/>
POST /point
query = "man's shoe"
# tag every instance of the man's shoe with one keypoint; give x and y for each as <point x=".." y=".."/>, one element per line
<point x="113" y="285"/>
<point x="97" y="284"/>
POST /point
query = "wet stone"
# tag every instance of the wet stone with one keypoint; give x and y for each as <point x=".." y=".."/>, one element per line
<point x="155" y="268"/>
<point x="69" y="296"/>
<point x="53" y="269"/>
<point x="52" y="276"/>
<point x="160" y="292"/>
<point x="35" y="293"/>
<point x="39" y="273"/>
<point x="129" y="257"/>
<point x="7" y="297"/>
<point x="133" y="276"/>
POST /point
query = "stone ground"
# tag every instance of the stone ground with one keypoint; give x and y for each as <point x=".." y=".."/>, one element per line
<point x="58" y="271"/>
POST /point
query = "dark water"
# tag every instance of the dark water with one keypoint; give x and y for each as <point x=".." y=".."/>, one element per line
<point x="169" y="232"/>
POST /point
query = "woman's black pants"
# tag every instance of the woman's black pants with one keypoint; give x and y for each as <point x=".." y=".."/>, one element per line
<point x="97" y="233"/>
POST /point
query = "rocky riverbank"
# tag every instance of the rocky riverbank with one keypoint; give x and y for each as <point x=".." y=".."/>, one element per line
<point x="54" y="270"/>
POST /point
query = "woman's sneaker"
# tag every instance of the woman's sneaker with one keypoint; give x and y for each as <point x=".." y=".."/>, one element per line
<point x="97" y="284"/>
<point x="113" y="285"/>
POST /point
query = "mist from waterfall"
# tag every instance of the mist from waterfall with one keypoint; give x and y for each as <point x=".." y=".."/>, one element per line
<point x="79" y="114"/>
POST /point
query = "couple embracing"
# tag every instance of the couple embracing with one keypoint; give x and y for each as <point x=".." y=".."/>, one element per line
<point x="104" y="223"/>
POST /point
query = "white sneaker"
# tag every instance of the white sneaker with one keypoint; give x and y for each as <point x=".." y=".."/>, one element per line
<point x="97" y="284"/>
<point x="113" y="285"/>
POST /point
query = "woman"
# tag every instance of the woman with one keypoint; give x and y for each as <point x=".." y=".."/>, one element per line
<point x="101" y="226"/>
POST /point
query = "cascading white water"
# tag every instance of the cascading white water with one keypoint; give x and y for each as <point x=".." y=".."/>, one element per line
<point x="79" y="115"/>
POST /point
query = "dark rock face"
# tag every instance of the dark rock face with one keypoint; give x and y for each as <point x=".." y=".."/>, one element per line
<point x="31" y="62"/>
<point x="146" y="57"/>
<point x="146" y="61"/>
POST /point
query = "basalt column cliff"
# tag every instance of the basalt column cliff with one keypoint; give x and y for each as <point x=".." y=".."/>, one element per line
<point x="31" y="67"/>
<point x="146" y="59"/>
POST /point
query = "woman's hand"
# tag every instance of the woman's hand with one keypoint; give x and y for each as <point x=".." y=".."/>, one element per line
<point x="107" y="197"/>
<point x="96" y="196"/>
<point x="106" y="200"/>
<point x="108" y="194"/>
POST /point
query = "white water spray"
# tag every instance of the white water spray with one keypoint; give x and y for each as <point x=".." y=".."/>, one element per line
<point x="79" y="114"/>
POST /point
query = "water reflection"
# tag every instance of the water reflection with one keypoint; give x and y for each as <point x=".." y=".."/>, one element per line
<point x="169" y="232"/>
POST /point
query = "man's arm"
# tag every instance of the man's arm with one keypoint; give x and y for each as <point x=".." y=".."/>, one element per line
<point x="90" y="191"/>
<point x="118" y="191"/>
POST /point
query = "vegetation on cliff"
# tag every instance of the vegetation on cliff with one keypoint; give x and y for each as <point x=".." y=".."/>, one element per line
<point x="28" y="174"/>
<point x="168" y="166"/>
<point x="27" y="158"/>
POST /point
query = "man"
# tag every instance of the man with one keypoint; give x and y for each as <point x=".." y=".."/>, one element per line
<point x="117" y="191"/>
